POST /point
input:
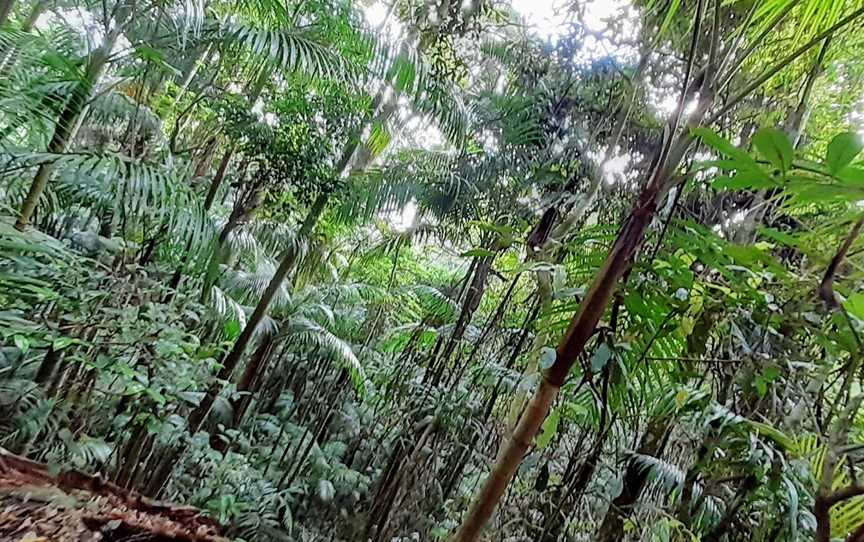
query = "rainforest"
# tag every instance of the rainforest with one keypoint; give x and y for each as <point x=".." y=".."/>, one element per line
<point x="432" y="270"/>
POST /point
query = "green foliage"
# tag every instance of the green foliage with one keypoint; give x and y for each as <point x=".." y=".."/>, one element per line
<point x="441" y="196"/>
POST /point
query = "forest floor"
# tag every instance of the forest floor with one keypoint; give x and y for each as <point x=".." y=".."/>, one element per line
<point x="36" y="506"/>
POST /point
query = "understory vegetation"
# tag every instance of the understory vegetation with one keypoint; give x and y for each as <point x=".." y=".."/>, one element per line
<point x="402" y="270"/>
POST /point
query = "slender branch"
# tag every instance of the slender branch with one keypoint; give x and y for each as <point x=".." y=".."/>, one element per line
<point x="826" y="287"/>
<point x="771" y="72"/>
<point x="740" y="33"/>
<point x="759" y="40"/>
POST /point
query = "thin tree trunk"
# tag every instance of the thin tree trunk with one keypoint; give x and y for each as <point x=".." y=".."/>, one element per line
<point x="5" y="9"/>
<point x="217" y="179"/>
<point x="473" y="296"/>
<point x="289" y="258"/>
<point x="826" y="287"/>
<point x="250" y="378"/>
<point x="797" y="121"/>
<point x="635" y="477"/>
<point x="196" y="418"/>
<point x="741" y="498"/>
<point x="65" y="126"/>
<point x="193" y="70"/>
<point x="553" y="237"/>
<point x="48" y="365"/>
<point x="582" y="325"/>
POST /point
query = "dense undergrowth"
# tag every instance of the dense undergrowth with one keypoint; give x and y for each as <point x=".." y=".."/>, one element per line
<point x="330" y="280"/>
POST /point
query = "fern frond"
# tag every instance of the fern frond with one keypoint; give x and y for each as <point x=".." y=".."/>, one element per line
<point x="313" y="335"/>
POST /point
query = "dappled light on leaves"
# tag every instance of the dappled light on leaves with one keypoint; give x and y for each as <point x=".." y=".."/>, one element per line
<point x="471" y="270"/>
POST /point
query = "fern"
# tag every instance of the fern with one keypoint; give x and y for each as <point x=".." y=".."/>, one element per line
<point x="312" y="335"/>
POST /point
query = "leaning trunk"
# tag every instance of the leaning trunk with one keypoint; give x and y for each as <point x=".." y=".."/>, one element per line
<point x="65" y="126"/>
<point x="217" y="179"/>
<point x="581" y="327"/>
<point x="289" y="258"/>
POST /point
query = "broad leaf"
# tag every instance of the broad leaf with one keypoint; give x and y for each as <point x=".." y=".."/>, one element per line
<point x="854" y="304"/>
<point x="549" y="428"/>
<point x="851" y="176"/>
<point x="774" y="146"/>
<point x="842" y="150"/>
<point x="601" y="358"/>
<point x="743" y="181"/>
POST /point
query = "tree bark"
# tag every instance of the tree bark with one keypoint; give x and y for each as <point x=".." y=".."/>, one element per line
<point x="5" y="9"/>
<point x="48" y="365"/>
<point x="250" y="378"/>
<point x="65" y="126"/>
<point x="583" y="324"/>
<point x="217" y="179"/>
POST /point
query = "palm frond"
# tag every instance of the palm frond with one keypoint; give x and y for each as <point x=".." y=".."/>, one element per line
<point x="248" y="286"/>
<point x="312" y="335"/>
<point x="112" y="106"/>
<point x="226" y="307"/>
<point x="139" y="191"/>
<point x="289" y="50"/>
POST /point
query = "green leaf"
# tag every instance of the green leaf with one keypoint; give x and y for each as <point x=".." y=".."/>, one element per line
<point x="150" y="54"/>
<point x="601" y="358"/>
<point x="671" y="10"/>
<point x="851" y="176"/>
<point x="842" y="150"/>
<point x="779" y="236"/>
<point x="854" y="304"/>
<point x="822" y="192"/>
<point x="62" y="342"/>
<point x="761" y="386"/>
<point x="22" y="342"/>
<point x="741" y="160"/>
<point x="156" y="395"/>
<point x="774" y="434"/>
<point x="232" y="329"/>
<point x="774" y="146"/>
<point x="549" y="428"/>
<point x="743" y="180"/>
<point x="770" y="373"/>
<point x="477" y="253"/>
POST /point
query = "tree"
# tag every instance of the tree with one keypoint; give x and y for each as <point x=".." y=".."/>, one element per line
<point x="323" y="269"/>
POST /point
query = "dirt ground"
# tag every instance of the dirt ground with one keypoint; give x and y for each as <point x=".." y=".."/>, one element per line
<point x="73" y="506"/>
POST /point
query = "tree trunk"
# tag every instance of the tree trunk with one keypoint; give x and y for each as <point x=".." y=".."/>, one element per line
<point x="250" y="378"/>
<point x="473" y="296"/>
<point x="217" y="179"/>
<point x="65" y="126"/>
<point x="289" y="258"/>
<point x="741" y="498"/>
<point x="200" y="59"/>
<point x="48" y="365"/>
<point x="165" y="465"/>
<point x="652" y="444"/>
<point x="582" y="325"/>
<point x="5" y="9"/>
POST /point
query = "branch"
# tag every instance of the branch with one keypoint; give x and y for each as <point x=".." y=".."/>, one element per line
<point x="771" y="72"/>
<point x="846" y="493"/>
<point x="826" y="287"/>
